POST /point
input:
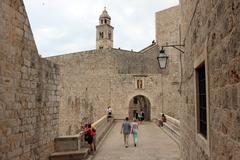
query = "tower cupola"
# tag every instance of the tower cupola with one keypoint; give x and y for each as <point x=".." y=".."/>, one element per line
<point x="104" y="17"/>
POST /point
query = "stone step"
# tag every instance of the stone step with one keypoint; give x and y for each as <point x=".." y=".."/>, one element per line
<point x="70" y="155"/>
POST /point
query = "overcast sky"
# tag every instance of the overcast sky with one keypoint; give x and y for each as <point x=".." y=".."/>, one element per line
<point x="66" y="26"/>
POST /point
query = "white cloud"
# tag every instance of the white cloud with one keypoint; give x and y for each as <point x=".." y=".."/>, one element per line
<point x="61" y="26"/>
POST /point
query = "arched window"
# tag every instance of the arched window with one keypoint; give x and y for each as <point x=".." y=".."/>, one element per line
<point x="101" y="21"/>
<point x="105" y="21"/>
<point x="109" y="35"/>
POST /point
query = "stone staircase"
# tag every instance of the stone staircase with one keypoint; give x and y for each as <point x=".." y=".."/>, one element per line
<point x="172" y="128"/>
<point x="74" y="147"/>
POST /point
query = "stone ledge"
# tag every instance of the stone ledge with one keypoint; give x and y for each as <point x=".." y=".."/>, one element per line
<point x="70" y="155"/>
<point x="73" y="147"/>
<point x="171" y="128"/>
<point x="174" y="134"/>
<point x="83" y="150"/>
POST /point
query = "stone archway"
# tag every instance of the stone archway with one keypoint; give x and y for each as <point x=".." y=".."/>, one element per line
<point x="137" y="103"/>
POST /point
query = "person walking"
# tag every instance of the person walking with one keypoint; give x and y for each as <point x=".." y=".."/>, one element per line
<point x="126" y="129"/>
<point x="94" y="135"/>
<point x="134" y="132"/>
<point x="109" y="113"/>
<point x="88" y="136"/>
<point x="136" y="115"/>
<point x="142" y="116"/>
<point x="163" y="119"/>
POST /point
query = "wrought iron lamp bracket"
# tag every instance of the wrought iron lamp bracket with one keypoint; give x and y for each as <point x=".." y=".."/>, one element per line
<point x="176" y="46"/>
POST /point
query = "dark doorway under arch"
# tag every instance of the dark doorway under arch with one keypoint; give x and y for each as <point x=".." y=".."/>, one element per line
<point x="139" y="103"/>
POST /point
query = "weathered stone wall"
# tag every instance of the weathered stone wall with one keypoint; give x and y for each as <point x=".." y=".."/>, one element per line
<point x="167" y="24"/>
<point x="128" y="62"/>
<point x="211" y="32"/>
<point x="123" y="90"/>
<point x="131" y="66"/>
<point x="28" y="90"/>
<point x="168" y="33"/>
<point x="85" y="87"/>
<point x="93" y="80"/>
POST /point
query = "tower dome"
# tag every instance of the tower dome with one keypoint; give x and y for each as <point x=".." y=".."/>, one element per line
<point x="104" y="17"/>
<point x="105" y="14"/>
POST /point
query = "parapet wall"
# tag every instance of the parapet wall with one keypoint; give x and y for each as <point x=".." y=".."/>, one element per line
<point x="28" y="90"/>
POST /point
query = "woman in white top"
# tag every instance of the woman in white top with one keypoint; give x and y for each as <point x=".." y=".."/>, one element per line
<point x="134" y="131"/>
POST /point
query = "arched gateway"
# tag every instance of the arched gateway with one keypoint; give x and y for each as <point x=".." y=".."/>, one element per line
<point x="139" y="103"/>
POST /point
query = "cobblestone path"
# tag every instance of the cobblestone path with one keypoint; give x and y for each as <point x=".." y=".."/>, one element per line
<point x="153" y="144"/>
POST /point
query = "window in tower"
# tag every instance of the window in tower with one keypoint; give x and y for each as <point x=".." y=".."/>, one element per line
<point x="105" y="21"/>
<point x="101" y="21"/>
<point x="101" y="34"/>
<point x="109" y="35"/>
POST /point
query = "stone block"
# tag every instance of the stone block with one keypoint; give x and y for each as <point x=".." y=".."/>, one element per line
<point x="75" y="155"/>
<point x="13" y="154"/>
<point x="66" y="144"/>
<point x="5" y="148"/>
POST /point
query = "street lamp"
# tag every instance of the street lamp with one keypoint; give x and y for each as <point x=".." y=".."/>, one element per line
<point x="162" y="59"/>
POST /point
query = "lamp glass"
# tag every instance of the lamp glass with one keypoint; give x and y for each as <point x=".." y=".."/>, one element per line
<point x="162" y="59"/>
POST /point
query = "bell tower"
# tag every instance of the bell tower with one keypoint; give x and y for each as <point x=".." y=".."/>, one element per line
<point x="104" y="31"/>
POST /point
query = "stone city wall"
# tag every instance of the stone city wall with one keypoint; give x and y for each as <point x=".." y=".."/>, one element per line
<point x="212" y="34"/>
<point x="129" y="62"/>
<point x="123" y="89"/>
<point x="85" y="88"/>
<point x="93" y="80"/>
<point x="28" y="90"/>
<point x="102" y="78"/>
<point x="168" y="33"/>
